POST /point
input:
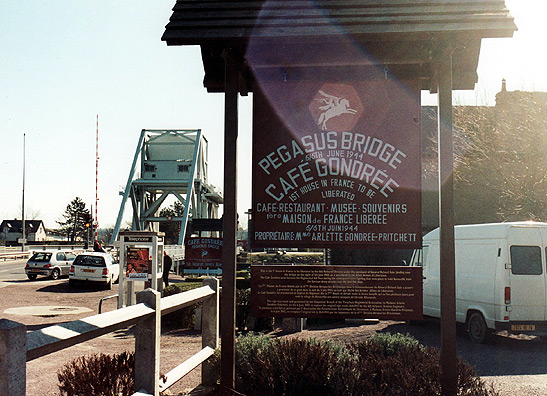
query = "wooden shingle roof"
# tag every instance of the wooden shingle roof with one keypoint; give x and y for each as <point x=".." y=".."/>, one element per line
<point x="403" y="35"/>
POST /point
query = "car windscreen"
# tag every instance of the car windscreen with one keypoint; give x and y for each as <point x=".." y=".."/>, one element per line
<point x="91" y="261"/>
<point x="41" y="257"/>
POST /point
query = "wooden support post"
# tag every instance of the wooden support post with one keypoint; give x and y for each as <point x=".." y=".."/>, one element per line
<point x="13" y="358"/>
<point x="228" y="314"/>
<point x="147" y="345"/>
<point x="449" y="375"/>
<point x="209" y="329"/>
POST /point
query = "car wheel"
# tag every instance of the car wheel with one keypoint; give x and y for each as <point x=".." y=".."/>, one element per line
<point x="109" y="284"/>
<point x="32" y="276"/>
<point x="55" y="274"/>
<point x="477" y="329"/>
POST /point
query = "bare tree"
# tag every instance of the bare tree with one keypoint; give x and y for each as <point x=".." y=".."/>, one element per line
<point x="500" y="156"/>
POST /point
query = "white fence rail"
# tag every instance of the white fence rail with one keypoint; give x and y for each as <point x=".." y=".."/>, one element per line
<point x="18" y="347"/>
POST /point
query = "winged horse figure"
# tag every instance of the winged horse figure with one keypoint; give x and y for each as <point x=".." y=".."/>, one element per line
<point x="333" y="107"/>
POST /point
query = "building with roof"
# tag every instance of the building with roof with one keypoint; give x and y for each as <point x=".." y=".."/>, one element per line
<point x="12" y="230"/>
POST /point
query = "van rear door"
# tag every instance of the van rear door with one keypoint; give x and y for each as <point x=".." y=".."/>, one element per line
<point x="527" y="274"/>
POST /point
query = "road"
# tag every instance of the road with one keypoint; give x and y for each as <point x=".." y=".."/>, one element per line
<point x="12" y="270"/>
<point x="516" y="364"/>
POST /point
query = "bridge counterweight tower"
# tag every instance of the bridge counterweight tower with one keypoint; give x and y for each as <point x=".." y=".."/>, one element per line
<point x="173" y="163"/>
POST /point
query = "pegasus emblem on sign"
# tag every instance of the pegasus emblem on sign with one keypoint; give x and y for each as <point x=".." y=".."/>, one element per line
<point x="334" y="106"/>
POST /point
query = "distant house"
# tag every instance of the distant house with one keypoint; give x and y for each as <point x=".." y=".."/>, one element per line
<point x="11" y="231"/>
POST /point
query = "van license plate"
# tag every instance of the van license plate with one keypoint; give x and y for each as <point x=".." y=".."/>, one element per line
<point x="87" y="270"/>
<point x="523" y="327"/>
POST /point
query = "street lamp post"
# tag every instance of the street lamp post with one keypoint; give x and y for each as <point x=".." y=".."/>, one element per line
<point x="23" y="203"/>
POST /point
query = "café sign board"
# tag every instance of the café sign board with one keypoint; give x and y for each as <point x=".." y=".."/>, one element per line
<point x="337" y="164"/>
<point x="203" y="253"/>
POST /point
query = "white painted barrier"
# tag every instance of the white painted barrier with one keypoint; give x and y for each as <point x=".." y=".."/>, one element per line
<point x="21" y="347"/>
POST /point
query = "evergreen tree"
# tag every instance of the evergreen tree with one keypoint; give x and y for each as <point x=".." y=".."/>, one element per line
<point x="76" y="216"/>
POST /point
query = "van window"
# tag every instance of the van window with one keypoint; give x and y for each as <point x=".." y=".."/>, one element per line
<point x="424" y="255"/>
<point x="526" y="260"/>
<point x="419" y="255"/>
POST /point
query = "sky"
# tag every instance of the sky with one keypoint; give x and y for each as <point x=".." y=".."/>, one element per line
<point x="64" y="62"/>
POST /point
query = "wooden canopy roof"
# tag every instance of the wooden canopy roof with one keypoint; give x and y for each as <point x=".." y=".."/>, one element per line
<point x="274" y="39"/>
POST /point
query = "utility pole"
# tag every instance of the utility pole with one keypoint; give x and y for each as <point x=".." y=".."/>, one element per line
<point x="23" y="203"/>
<point x="96" y="222"/>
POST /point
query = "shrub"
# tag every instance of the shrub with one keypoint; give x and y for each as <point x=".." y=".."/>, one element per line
<point x="183" y="318"/>
<point x="282" y="367"/>
<point x="394" y="343"/>
<point x="175" y="288"/>
<point x="386" y="364"/>
<point x="98" y="374"/>
<point x="243" y="311"/>
<point x="243" y="308"/>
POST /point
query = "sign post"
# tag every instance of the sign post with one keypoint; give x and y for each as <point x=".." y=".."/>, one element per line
<point x="449" y="376"/>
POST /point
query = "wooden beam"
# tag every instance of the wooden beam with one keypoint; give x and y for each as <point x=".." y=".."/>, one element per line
<point x="227" y="357"/>
<point x="449" y="374"/>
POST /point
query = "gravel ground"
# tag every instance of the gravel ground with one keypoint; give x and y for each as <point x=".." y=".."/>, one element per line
<point x="176" y="345"/>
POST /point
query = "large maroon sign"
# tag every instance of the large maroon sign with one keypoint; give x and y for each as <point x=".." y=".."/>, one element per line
<point x="337" y="164"/>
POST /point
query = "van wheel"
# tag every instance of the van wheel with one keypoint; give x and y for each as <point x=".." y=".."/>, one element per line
<point x="55" y="274"/>
<point x="477" y="329"/>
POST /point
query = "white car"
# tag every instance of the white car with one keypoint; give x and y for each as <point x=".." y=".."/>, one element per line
<point x="52" y="263"/>
<point x="94" y="267"/>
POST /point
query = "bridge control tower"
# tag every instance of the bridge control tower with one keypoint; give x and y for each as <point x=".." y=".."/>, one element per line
<point x="172" y="163"/>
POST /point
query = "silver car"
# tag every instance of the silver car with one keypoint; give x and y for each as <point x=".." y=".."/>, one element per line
<point x="49" y="263"/>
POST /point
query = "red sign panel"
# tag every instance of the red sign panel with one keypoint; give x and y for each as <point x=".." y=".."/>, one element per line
<point x="139" y="263"/>
<point x="203" y="253"/>
<point x="337" y="164"/>
<point x="308" y="291"/>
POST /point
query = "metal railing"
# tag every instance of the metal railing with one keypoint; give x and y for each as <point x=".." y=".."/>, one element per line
<point x="19" y="347"/>
<point x="176" y="252"/>
<point x="14" y="255"/>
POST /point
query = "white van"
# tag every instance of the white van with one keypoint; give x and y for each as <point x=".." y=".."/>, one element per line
<point x="501" y="277"/>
